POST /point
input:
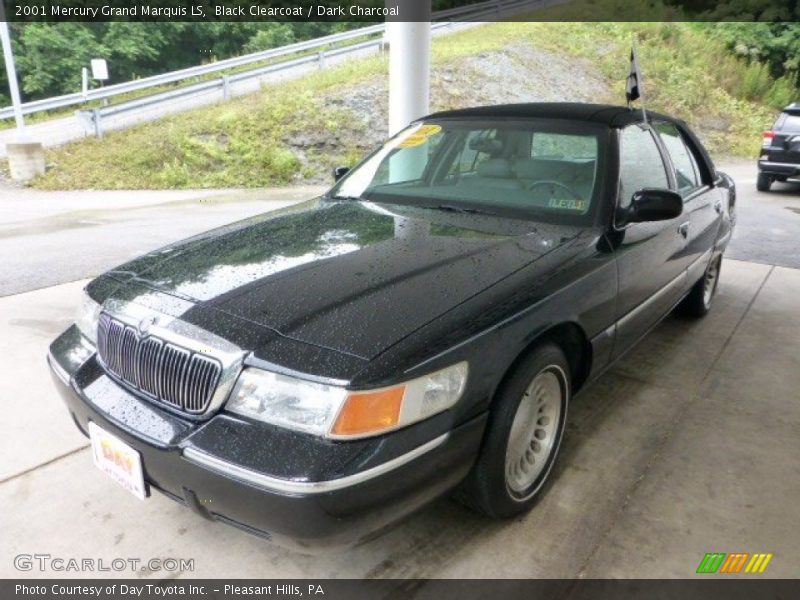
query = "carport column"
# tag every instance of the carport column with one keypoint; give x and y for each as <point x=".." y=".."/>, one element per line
<point x="409" y="66"/>
<point x="409" y="81"/>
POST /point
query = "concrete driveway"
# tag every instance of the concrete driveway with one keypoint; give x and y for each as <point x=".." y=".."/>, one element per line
<point x="687" y="446"/>
<point x="55" y="237"/>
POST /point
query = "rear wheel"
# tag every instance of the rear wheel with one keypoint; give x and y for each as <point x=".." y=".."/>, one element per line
<point x="526" y="424"/>
<point x="763" y="182"/>
<point x="698" y="303"/>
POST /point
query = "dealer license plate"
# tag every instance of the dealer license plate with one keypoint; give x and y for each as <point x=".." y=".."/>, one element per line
<point x="117" y="460"/>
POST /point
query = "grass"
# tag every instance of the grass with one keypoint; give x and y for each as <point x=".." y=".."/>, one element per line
<point x="243" y="143"/>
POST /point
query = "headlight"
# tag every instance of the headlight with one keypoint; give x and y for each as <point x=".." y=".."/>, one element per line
<point x="86" y="320"/>
<point x="339" y="413"/>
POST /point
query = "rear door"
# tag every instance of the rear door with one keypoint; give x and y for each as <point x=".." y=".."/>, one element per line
<point x="702" y="202"/>
<point x="650" y="256"/>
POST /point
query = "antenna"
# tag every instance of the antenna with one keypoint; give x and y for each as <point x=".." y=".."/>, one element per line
<point x="641" y="90"/>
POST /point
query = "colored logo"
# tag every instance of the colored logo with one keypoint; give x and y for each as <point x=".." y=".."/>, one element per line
<point x="111" y="454"/>
<point x="735" y="562"/>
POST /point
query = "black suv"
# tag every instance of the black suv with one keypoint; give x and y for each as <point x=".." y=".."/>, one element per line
<point x="780" y="154"/>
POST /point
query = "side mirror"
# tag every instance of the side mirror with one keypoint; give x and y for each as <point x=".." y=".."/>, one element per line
<point x="339" y="172"/>
<point x="654" y="205"/>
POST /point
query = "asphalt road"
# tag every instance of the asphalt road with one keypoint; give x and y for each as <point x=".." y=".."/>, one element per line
<point x="47" y="238"/>
<point x="768" y="223"/>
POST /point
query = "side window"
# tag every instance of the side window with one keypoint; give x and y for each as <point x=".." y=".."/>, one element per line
<point x="790" y="123"/>
<point x="563" y="146"/>
<point x="686" y="172"/>
<point x="640" y="163"/>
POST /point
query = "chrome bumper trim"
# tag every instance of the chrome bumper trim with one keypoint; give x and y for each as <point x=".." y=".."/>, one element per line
<point x="57" y="368"/>
<point x="290" y="486"/>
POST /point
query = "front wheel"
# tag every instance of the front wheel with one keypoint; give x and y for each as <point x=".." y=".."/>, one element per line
<point x="763" y="182"/>
<point x="526" y="424"/>
<point x="698" y="303"/>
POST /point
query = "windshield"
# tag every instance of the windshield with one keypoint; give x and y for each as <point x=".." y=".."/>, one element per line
<point x="542" y="167"/>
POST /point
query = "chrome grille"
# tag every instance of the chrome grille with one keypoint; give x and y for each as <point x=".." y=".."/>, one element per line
<point x="164" y="372"/>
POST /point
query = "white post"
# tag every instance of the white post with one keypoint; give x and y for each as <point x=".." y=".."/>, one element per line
<point x="409" y="70"/>
<point x="409" y="84"/>
<point x="409" y="98"/>
<point x="25" y="158"/>
<point x="84" y="82"/>
<point x="11" y="72"/>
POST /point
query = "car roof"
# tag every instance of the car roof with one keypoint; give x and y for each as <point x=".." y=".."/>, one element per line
<point x="607" y="114"/>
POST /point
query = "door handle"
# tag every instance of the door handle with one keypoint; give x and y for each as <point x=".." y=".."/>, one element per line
<point x="718" y="206"/>
<point x="683" y="229"/>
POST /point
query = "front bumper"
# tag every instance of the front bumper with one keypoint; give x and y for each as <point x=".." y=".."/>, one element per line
<point x="296" y="489"/>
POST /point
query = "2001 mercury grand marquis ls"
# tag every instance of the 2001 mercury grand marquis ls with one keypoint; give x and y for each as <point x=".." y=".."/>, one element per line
<point x="319" y="372"/>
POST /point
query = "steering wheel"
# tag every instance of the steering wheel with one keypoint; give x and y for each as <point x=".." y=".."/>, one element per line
<point x="554" y="183"/>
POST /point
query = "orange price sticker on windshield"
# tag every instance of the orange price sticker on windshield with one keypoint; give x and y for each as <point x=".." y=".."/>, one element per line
<point x="420" y="136"/>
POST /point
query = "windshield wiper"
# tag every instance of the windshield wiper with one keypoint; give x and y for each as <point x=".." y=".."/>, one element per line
<point x="460" y="209"/>
<point x="345" y="197"/>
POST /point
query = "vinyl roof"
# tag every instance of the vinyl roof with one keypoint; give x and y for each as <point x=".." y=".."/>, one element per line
<point x="607" y="114"/>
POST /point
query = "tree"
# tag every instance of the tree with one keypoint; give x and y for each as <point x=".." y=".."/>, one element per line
<point x="51" y="57"/>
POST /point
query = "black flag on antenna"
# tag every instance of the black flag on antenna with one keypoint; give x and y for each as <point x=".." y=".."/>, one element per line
<point x="633" y="87"/>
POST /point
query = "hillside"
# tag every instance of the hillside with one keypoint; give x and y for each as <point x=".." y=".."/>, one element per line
<point x="294" y="132"/>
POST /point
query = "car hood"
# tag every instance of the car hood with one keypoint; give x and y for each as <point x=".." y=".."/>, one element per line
<point x="354" y="277"/>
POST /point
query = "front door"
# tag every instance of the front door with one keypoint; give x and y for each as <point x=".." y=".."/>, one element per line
<point x="650" y="256"/>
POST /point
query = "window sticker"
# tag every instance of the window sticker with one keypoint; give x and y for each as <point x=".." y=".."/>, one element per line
<point x="567" y="204"/>
<point x="419" y="136"/>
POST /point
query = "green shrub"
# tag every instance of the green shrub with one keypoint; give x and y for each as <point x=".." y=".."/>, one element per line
<point x="783" y="91"/>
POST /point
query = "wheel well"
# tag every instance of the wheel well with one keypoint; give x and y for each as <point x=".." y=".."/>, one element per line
<point x="573" y="342"/>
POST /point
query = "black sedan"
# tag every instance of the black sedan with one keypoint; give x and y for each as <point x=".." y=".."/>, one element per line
<point x="317" y="373"/>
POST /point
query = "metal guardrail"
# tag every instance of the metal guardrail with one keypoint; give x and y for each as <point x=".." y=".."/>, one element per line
<point x="93" y="119"/>
<point x="182" y="74"/>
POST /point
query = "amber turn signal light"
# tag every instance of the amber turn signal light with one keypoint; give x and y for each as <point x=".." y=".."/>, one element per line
<point x="370" y="412"/>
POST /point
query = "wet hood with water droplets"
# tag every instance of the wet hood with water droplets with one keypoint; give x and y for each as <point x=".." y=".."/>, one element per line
<point x="353" y="277"/>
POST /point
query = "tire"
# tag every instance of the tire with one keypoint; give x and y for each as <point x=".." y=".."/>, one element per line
<point x="698" y="303"/>
<point x="763" y="182"/>
<point x="518" y="453"/>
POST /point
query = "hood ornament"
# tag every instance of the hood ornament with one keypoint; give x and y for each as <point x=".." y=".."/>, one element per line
<point x="145" y="324"/>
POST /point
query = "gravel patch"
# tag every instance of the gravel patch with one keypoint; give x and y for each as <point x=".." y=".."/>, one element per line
<point x="516" y="73"/>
